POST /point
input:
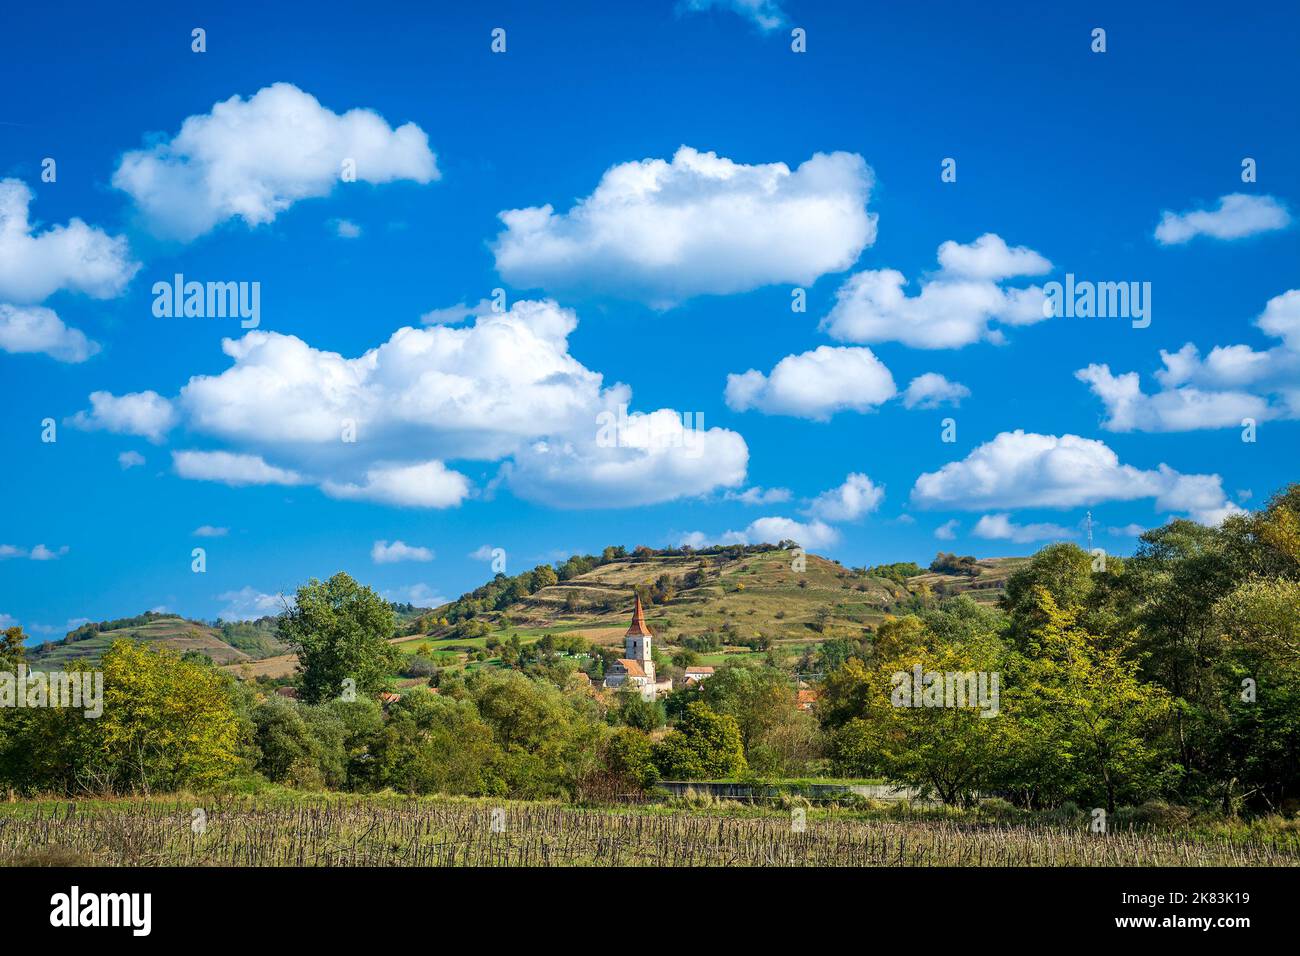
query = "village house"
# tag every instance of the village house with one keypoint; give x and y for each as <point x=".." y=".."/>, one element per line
<point x="697" y="674"/>
<point x="637" y="669"/>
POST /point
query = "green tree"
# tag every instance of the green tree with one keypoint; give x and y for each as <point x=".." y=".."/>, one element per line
<point x="705" y="745"/>
<point x="1085" y="713"/>
<point x="167" y="724"/>
<point x="12" y="649"/>
<point x="339" y="630"/>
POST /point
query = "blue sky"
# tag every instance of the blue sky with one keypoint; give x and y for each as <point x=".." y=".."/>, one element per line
<point x="483" y="429"/>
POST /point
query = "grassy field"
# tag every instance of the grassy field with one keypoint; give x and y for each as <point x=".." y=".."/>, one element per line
<point x="384" y="830"/>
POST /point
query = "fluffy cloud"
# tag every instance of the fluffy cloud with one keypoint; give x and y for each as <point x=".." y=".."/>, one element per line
<point x="1128" y="408"/>
<point x="767" y="15"/>
<point x="476" y="392"/>
<point x="1027" y="470"/>
<point x="384" y="553"/>
<point x="36" y="329"/>
<point x="815" y="384"/>
<point x="1000" y="527"/>
<point x="254" y="158"/>
<point x="231" y="469"/>
<point x="248" y="604"/>
<point x="420" y="595"/>
<point x="661" y="232"/>
<point x="130" y="459"/>
<point x="856" y="497"/>
<point x="428" y="484"/>
<point x="502" y="389"/>
<point x="146" y="414"/>
<point x="954" y="307"/>
<point x="932" y="390"/>
<point x="1230" y="383"/>
<point x="75" y="257"/>
<point x="948" y="530"/>
<point x="769" y="530"/>
<point x="1237" y="215"/>
<point x="656" y="459"/>
<point x="346" y="229"/>
<point x="989" y="257"/>
<point x="208" y="531"/>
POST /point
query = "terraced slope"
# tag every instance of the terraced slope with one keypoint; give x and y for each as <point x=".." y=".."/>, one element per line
<point x="174" y="632"/>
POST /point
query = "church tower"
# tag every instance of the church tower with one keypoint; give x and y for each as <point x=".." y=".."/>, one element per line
<point x="637" y="641"/>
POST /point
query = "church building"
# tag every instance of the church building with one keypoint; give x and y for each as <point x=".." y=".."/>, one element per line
<point x="637" y="669"/>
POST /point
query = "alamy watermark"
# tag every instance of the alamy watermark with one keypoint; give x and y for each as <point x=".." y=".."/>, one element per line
<point x="1084" y="299"/>
<point x="660" y="430"/>
<point x="953" y="689"/>
<point x="208" y="300"/>
<point x="78" y="690"/>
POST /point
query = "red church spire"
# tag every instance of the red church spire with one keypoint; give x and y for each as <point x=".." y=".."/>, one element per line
<point x="638" y="627"/>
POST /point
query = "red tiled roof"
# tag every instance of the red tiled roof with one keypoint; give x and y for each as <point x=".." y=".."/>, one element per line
<point x="702" y="669"/>
<point x="638" y="626"/>
<point x="632" y="667"/>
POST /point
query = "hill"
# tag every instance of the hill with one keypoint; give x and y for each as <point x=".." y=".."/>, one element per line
<point x="175" y="632"/>
<point x="729" y="602"/>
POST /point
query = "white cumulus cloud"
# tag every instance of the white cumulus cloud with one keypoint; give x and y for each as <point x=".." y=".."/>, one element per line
<point x="1219" y="390"/>
<point x="146" y="414"/>
<point x="814" y="384"/>
<point x="231" y="469"/>
<point x="383" y="552"/>
<point x="75" y="257"/>
<point x="428" y="484"/>
<point x="1000" y="527"/>
<point x="1236" y="216"/>
<point x="36" y="329"/>
<point x="663" y="231"/>
<point x="770" y="530"/>
<point x="254" y="158"/>
<point x="656" y="459"/>
<point x="248" y="604"/>
<point x="130" y="459"/>
<point x="504" y="389"/>
<point x="955" y="307"/>
<point x="931" y="390"/>
<point x="856" y="497"/>
<point x="1027" y="470"/>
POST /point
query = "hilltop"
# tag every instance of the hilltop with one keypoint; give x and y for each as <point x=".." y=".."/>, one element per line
<point x="89" y="642"/>
<point x="723" y="603"/>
